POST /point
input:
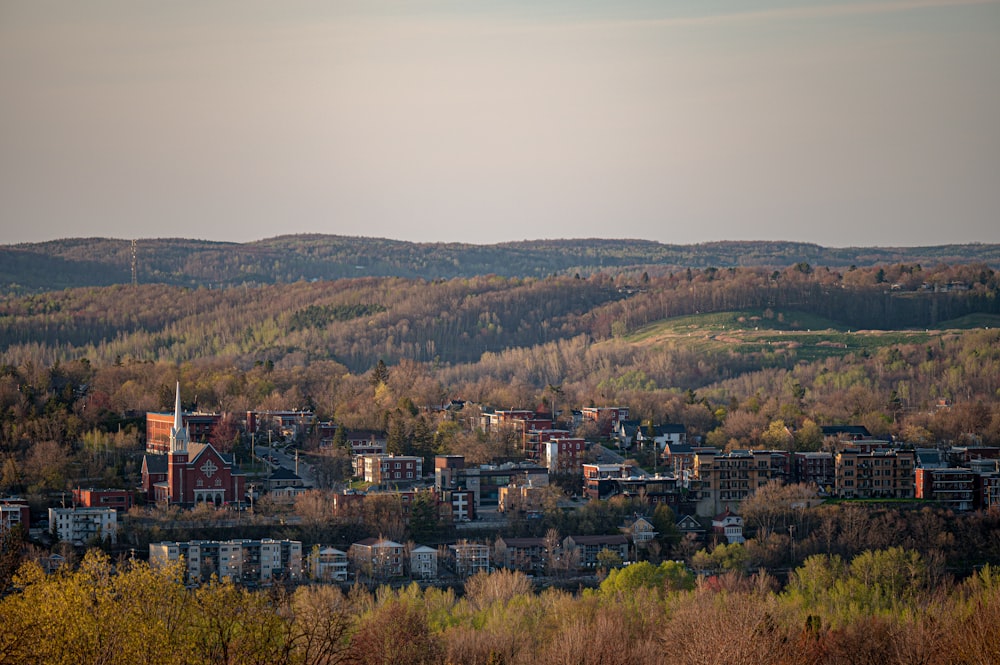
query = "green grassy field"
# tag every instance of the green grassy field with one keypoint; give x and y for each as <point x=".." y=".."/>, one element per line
<point x="792" y="334"/>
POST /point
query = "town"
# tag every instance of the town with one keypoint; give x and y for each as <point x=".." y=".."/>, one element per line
<point x="702" y="488"/>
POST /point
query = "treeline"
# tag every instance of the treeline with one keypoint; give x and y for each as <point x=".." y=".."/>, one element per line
<point x="101" y="261"/>
<point x="882" y="607"/>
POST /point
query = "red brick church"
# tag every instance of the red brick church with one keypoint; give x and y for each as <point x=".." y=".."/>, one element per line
<point x="190" y="473"/>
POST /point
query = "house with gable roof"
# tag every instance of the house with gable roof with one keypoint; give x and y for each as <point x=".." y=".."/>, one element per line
<point x="728" y="525"/>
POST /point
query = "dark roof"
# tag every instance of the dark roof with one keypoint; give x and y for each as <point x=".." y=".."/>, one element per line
<point x="850" y="430"/>
<point x="670" y="428"/>
<point x="155" y="463"/>
<point x="679" y="448"/>
<point x="617" y="539"/>
<point x="523" y="542"/>
<point x="281" y="473"/>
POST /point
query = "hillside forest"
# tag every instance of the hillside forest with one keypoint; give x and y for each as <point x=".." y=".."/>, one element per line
<point x="743" y="357"/>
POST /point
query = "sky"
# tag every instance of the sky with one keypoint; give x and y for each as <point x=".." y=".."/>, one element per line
<point x="840" y="123"/>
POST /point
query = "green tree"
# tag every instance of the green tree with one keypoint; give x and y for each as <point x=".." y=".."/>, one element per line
<point x="424" y="519"/>
<point x="379" y="375"/>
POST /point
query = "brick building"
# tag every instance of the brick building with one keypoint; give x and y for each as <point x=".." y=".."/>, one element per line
<point x="190" y="473"/>
<point x="878" y="474"/>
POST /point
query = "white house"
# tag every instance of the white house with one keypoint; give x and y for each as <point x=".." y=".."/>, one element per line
<point x="729" y="525"/>
<point x="423" y="562"/>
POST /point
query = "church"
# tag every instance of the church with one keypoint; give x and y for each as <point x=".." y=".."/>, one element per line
<point x="190" y="473"/>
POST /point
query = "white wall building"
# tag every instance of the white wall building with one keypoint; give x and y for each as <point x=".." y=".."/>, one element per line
<point x="79" y="525"/>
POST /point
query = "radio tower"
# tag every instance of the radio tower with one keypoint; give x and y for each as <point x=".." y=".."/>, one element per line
<point x="135" y="279"/>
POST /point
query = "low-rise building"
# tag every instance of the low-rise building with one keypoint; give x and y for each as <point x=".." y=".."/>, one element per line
<point x="952" y="488"/>
<point x="390" y="469"/>
<point x="377" y="558"/>
<point x="243" y="561"/>
<point x="118" y="499"/>
<point x="605" y="417"/>
<point x="424" y="563"/>
<point x="82" y="525"/>
<point x="585" y="549"/>
<point x="728" y="526"/>
<point x="328" y="564"/>
<point x="563" y="454"/>
<point x="14" y="513"/>
<point x="471" y="558"/>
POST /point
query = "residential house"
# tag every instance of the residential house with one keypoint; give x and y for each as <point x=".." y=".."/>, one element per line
<point x="328" y="564"/>
<point x="377" y="558"/>
<point x="690" y="528"/>
<point x="625" y="432"/>
<point x="661" y="436"/>
<point x="471" y="558"/>
<point x="283" y="478"/>
<point x="14" y="513"/>
<point x="728" y="526"/>
<point x="424" y="563"/>
<point x="640" y="531"/>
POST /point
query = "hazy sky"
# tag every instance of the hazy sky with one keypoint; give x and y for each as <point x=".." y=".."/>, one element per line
<point x="841" y="123"/>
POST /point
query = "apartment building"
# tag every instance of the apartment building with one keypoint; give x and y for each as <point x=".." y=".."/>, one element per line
<point x="390" y="469"/>
<point x="876" y="474"/>
<point x="80" y="525"/>
<point x="728" y="478"/>
<point x="243" y="561"/>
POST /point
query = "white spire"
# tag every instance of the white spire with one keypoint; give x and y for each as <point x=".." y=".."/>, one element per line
<point x="178" y="423"/>
<point x="178" y="433"/>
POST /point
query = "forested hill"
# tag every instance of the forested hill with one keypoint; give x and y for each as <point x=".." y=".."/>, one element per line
<point x="355" y="321"/>
<point x="71" y="262"/>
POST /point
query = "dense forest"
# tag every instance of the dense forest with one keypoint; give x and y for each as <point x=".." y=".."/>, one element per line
<point x="72" y="262"/>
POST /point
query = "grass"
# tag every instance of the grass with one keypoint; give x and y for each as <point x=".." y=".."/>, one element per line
<point x="786" y="335"/>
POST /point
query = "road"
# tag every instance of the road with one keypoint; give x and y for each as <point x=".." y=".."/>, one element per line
<point x="288" y="461"/>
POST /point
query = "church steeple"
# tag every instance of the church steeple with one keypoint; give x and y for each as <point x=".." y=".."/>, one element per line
<point x="178" y="433"/>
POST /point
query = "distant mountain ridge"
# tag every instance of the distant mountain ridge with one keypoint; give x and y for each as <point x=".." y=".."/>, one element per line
<point x="58" y="264"/>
